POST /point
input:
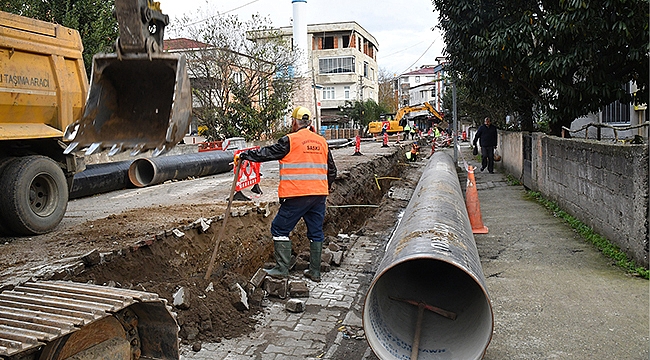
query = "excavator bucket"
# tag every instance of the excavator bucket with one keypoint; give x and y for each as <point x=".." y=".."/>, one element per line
<point x="136" y="101"/>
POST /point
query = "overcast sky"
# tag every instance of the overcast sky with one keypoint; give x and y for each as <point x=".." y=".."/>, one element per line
<point x="403" y="29"/>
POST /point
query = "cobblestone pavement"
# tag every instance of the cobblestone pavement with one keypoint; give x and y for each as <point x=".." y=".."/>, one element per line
<point x="332" y="317"/>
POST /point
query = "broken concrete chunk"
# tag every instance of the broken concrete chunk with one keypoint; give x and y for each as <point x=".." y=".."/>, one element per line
<point x="240" y="298"/>
<point x="334" y="247"/>
<point x="295" y="305"/>
<point x="209" y="288"/>
<point x="298" y="289"/>
<point x="275" y="287"/>
<point x="327" y="256"/>
<point x="301" y="264"/>
<point x="337" y="258"/>
<point x="182" y="298"/>
<point x="255" y="297"/>
<point x="204" y="225"/>
<point x="258" y="278"/>
<point x="178" y="233"/>
<point x="92" y="258"/>
<point x="324" y="267"/>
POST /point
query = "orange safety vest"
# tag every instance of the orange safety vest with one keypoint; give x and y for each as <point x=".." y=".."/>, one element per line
<point x="303" y="171"/>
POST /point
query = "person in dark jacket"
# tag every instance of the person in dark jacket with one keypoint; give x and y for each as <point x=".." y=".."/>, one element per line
<point x="307" y="171"/>
<point x="487" y="135"/>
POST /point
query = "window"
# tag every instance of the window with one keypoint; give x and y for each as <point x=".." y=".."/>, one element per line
<point x="346" y="41"/>
<point x="433" y="92"/>
<point x="365" y="69"/>
<point x="328" y="42"/>
<point x="617" y="112"/>
<point x="237" y="77"/>
<point x="346" y="92"/>
<point x="328" y="93"/>
<point x="417" y="79"/>
<point x="336" y="65"/>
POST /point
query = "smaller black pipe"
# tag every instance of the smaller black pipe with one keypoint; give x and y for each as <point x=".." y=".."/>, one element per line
<point x="150" y="171"/>
<point x="100" y="178"/>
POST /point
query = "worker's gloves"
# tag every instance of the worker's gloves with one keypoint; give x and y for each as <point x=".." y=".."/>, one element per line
<point x="240" y="157"/>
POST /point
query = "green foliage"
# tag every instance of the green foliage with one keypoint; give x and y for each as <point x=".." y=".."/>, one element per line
<point x="235" y="77"/>
<point x="605" y="246"/>
<point x="512" y="180"/>
<point x="564" y="58"/>
<point x="363" y="112"/>
<point x="93" y="19"/>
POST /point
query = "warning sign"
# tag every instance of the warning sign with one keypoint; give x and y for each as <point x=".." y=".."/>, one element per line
<point x="385" y="125"/>
<point x="249" y="173"/>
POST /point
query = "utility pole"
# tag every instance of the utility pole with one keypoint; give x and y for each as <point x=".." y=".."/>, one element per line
<point x="316" y="116"/>
<point x="455" y="132"/>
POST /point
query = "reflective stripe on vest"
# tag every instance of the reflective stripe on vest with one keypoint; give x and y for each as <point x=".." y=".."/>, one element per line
<point x="303" y="171"/>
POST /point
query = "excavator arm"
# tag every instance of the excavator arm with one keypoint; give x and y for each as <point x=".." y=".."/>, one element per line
<point x="139" y="98"/>
<point x="396" y="125"/>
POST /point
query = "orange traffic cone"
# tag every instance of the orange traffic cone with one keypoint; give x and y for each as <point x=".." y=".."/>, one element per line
<point x="473" y="206"/>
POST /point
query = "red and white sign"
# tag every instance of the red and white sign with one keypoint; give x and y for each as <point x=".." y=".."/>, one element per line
<point x="385" y="125"/>
<point x="249" y="172"/>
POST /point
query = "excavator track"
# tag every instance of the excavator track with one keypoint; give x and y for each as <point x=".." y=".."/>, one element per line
<point x="56" y="320"/>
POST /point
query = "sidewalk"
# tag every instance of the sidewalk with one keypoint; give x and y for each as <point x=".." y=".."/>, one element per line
<point x="553" y="295"/>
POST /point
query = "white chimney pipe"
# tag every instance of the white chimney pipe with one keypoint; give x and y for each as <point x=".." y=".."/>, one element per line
<point x="300" y="35"/>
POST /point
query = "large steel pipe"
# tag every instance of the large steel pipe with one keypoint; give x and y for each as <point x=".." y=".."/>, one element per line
<point x="151" y="171"/>
<point x="100" y="178"/>
<point x="431" y="272"/>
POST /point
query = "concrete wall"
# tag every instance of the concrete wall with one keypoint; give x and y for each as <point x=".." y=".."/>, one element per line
<point x="603" y="184"/>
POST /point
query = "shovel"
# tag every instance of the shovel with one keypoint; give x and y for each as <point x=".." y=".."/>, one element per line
<point x="225" y="219"/>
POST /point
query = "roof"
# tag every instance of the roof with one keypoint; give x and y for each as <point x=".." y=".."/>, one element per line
<point x="183" y="44"/>
<point x="424" y="70"/>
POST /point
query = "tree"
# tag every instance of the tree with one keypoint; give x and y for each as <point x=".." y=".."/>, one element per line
<point x="241" y="75"/>
<point x="564" y="58"/>
<point x="363" y="112"/>
<point x="93" y="19"/>
<point x="387" y="95"/>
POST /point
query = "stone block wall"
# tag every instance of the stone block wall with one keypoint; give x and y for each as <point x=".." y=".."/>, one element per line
<point x="603" y="184"/>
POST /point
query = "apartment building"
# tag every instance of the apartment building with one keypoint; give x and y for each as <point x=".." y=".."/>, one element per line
<point x="342" y="61"/>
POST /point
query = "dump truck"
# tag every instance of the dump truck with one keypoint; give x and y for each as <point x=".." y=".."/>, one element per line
<point x="139" y="99"/>
<point x="396" y="125"/>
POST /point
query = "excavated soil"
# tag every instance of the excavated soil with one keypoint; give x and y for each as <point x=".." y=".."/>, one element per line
<point x="162" y="261"/>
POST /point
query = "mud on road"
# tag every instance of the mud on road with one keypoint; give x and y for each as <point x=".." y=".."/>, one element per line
<point x="168" y="243"/>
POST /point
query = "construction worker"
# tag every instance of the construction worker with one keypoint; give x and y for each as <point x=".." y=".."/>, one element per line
<point x="407" y="130"/>
<point x="413" y="154"/>
<point x="307" y="171"/>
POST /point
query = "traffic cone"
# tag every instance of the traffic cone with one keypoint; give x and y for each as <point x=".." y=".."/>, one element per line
<point x="473" y="206"/>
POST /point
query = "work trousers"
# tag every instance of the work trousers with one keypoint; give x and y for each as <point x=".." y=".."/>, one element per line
<point x="310" y="208"/>
<point x="487" y="158"/>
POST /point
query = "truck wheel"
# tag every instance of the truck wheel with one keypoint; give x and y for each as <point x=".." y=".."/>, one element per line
<point x="4" y="231"/>
<point x="34" y="195"/>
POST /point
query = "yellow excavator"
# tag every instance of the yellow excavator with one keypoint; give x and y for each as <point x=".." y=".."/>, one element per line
<point x="394" y="126"/>
<point x="139" y="99"/>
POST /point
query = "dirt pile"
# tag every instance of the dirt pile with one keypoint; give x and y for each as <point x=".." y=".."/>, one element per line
<point x="163" y="261"/>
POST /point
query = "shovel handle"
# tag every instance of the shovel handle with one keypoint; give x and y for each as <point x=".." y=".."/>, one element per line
<point x="225" y="219"/>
